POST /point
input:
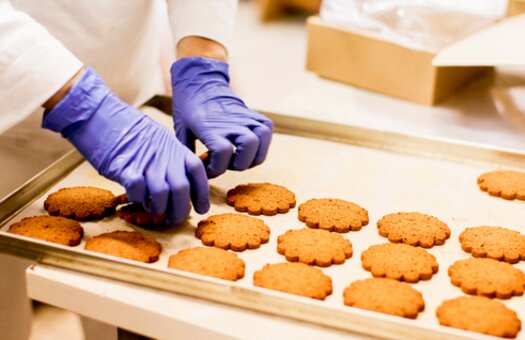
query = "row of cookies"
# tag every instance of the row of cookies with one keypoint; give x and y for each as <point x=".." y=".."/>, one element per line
<point x="483" y="275"/>
<point x="473" y="276"/>
<point x="415" y="303"/>
<point x="132" y="245"/>
<point x="67" y="206"/>
<point x="238" y="233"/>
<point x="318" y="224"/>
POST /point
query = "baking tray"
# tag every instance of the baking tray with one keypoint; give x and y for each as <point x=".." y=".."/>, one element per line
<point x="382" y="171"/>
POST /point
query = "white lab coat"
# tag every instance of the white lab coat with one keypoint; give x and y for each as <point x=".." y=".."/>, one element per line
<point x="44" y="43"/>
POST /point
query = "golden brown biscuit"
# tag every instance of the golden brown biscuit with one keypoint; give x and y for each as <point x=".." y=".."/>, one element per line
<point x="81" y="203"/>
<point x="333" y="215"/>
<point x="233" y="231"/>
<point x="135" y="214"/>
<point x="385" y="296"/>
<point x="413" y="228"/>
<point x="487" y="277"/>
<point x="212" y="262"/>
<point x="126" y="244"/>
<point x="294" y="278"/>
<point x="494" y="242"/>
<point x="506" y="184"/>
<point x="261" y="198"/>
<point x="314" y="246"/>
<point x="399" y="261"/>
<point x="50" y="228"/>
<point x="479" y="314"/>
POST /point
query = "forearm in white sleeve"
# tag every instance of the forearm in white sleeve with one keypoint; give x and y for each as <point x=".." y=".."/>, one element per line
<point x="33" y="65"/>
<point x="212" y="19"/>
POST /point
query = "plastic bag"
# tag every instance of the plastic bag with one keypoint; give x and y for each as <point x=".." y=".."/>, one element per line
<point x="419" y="24"/>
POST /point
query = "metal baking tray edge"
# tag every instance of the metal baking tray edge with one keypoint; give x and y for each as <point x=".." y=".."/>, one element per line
<point x="345" y="318"/>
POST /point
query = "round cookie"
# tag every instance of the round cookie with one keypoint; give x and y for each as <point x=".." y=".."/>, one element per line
<point x="233" y="231"/>
<point x="399" y="261"/>
<point x="294" y="278"/>
<point x="261" y="198"/>
<point x="314" y="246"/>
<point x="126" y="244"/>
<point x="135" y="214"/>
<point x="413" y="228"/>
<point x="333" y="215"/>
<point x="385" y="296"/>
<point x="81" y="203"/>
<point x="212" y="262"/>
<point x="487" y="277"/>
<point x="50" y="228"/>
<point x="506" y="184"/>
<point x="494" y="242"/>
<point x="479" y="314"/>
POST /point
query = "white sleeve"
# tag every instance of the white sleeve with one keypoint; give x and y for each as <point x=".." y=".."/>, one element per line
<point x="212" y="19"/>
<point x="33" y="65"/>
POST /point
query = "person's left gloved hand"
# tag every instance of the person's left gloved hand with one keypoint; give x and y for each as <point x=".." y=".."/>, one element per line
<point x="205" y="108"/>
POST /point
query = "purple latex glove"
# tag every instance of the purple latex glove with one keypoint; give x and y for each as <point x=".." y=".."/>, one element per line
<point x="205" y="108"/>
<point x="127" y="146"/>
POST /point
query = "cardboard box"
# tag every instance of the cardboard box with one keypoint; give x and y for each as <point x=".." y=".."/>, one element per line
<point x="515" y="7"/>
<point x="274" y="9"/>
<point x="360" y="59"/>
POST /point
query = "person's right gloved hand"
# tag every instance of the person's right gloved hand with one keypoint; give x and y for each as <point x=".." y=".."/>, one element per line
<point x="127" y="146"/>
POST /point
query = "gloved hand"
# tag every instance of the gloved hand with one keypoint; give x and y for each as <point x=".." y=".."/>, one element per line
<point x="127" y="146"/>
<point x="204" y="107"/>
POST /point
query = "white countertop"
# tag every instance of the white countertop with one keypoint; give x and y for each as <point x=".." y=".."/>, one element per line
<point x="161" y="314"/>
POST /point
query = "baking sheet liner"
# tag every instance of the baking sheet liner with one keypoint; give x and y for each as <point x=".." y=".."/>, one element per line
<point x="381" y="181"/>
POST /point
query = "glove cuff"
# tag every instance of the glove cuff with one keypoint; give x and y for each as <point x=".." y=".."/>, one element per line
<point x="196" y="67"/>
<point x="79" y="104"/>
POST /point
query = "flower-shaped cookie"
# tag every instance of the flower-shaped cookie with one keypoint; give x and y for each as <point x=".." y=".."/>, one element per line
<point x="294" y="278"/>
<point x="333" y="215"/>
<point x="214" y="262"/>
<point x="261" y="198"/>
<point x="413" y="228"/>
<point x="506" y="184"/>
<point x="314" y="246"/>
<point x="487" y="277"/>
<point x="81" y="203"/>
<point x="385" y="296"/>
<point x="233" y="231"/>
<point x="494" y="242"/>
<point x="399" y="261"/>
<point x="479" y="314"/>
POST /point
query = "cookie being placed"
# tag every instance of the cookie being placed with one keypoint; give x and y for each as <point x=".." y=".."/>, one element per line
<point x="494" y="242"/>
<point x="261" y="198"/>
<point x="233" y="231"/>
<point x="81" y="203"/>
<point x="135" y="214"/>
<point x="479" y="314"/>
<point x="333" y="215"/>
<point x="294" y="278"/>
<point x="506" y="184"/>
<point x="385" y="296"/>
<point x="487" y="277"/>
<point x="399" y="261"/>
<point x="314" y="246"/>
<point x="413" y="228"/>
<point x="212" y="262"/>
<point x="50" y="228"/>
<point x="126" y="244"/>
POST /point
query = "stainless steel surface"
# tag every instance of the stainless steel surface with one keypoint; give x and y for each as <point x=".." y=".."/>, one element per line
<point x="26" y="149"/>
<point x="39" y="184"/>
<point x="391" y="172"/>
